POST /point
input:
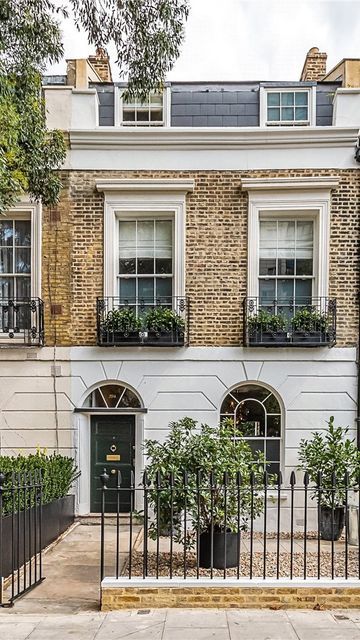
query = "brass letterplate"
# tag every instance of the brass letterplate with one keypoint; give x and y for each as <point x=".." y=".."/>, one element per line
<point x="113" y="458"/>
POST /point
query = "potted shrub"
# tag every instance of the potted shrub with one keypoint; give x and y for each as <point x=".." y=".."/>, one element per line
<point x="310" y="325"/>
<point x="121" y="325"/>
<point x="206" y="453"/>
<point x="331" y="454"/>
<point x="267" y="327"/>
<point x="164" y="325"/>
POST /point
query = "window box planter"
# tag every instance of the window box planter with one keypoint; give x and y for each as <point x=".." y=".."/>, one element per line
<point x="311" y="337"/>
<point x="219" y="538"/>
<point x="279" y="337"/>
<point x="111" y="337"/>
<point x="174" y="337"/>
<point x="57" y="516"/>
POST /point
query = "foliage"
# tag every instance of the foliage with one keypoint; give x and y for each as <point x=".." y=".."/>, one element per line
<point x="163" y="319"/>
<point x="265" y="321"/>
<point x="147" y="35"/>
<point x="205" y="452"/>
<point x="333" y="455"/>
<point x="58" y="473"/>
<point x="310" y="320"/>
<point x="123" y="320"/>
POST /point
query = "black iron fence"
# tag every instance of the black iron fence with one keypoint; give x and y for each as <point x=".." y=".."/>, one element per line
<point x="211" y="527"/>
<point x="284" y="322"/>
<point x="20" y="535"/>
<point x="153" y="322"/>
<point x="22" y="321"/>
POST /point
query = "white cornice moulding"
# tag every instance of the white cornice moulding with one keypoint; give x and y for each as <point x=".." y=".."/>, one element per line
<point x="276" y="184"/>
<point x="138" y="184"/>
<point x="212" y="138"/>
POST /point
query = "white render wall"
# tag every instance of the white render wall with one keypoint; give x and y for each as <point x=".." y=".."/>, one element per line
<point x="312" y="384"/>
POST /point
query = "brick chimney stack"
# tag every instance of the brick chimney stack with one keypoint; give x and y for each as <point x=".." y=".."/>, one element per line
<point x="314" y="66"/>
<point x="101" y="64"/>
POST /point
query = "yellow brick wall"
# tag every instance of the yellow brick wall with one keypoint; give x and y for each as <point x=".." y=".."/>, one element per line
<point x="230" y="597"/>
<point x="216" y="254"/>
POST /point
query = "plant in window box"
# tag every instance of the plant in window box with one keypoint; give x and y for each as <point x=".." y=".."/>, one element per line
<point x="333" y="459"/>
<point x="267" y="327"/>
<point x="310" y="325"/>
<point x="164" y="325"/>
<point x="121" y="325"/>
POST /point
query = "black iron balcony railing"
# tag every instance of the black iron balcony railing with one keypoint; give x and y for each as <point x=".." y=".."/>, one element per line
<point x="21" y="321"/>
<point x="149" y="322"/>
<point x="303" y="322"/>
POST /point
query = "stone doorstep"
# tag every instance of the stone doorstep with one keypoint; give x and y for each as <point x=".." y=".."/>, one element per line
<point x="192" y="593"/>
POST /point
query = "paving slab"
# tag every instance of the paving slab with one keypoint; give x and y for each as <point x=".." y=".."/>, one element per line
<point x="205" y="618"/>
<point x="256" y="630"/>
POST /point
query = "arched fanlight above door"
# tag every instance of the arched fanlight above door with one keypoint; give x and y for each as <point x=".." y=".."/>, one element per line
<point x="112" y="396"/>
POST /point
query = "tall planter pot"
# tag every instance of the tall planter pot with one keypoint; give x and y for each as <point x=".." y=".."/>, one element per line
<point x="57" y="516"/>
<point x="331" y="522"/>
<point x="225" y="550"/>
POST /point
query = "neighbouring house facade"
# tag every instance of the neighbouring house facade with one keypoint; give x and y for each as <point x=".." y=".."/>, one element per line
<point x="234" y="205"/>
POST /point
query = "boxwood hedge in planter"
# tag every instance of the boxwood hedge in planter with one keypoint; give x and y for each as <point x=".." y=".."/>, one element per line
<point x="310" y="325"/>
<point x="164" y="325"/>
<point x="265" y="327"/>
<point x="121" y="325"/>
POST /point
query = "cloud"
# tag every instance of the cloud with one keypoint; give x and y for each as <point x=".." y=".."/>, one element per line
<point x="252" y="39"/>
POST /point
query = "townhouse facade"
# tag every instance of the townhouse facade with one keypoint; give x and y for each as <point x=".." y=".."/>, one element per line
<point x="231" y="207"/>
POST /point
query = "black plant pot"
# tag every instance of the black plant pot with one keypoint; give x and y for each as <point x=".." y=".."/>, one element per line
<point x="165" y="337"/>
<point x="309" y="336"/>
<point x="331" y="522"/>
<point x="266" y="337"/>
<point x="111" y="337"/>
<point x="219" y="546"/>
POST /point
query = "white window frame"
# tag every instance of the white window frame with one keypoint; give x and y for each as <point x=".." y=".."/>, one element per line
<point x="137" y="198"/>
<point x="302" y="198"/>
<point x="119" y="111"/>
<point x="31" y="211"/>
<point x="311" y="122"/>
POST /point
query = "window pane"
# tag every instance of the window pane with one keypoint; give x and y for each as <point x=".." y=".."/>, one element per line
<point x="273" y="114"/>
<point x="23" y="287"/>
<point x="145" y="265"/>
<point x="6" y="287"/>
<point x="6" y="261"/>
<point x="156" y="99"/>
<point x="22" y="260"/>
<point x="6" y="233"/>
<point x="286" y="266"/>
<point x="267" y="267"/>
<point x="146" y="288"/>
<point x="273" y="450"/>
<point x="267" y="291"/>
<point x="286" y="234"/>
<point x="163" y="265"/>
<point x="128" y="115"/>
<point x="127" y="232"/>
<point x="142" y="116"/>
<point x="301" y="113"/>
<point x="127" y="265"/>
<point x="304" y="267"/>
<point x="256" y="445"/>
<point x="156" y="116"/>
<point x="273" y="426"/>
<point x="287" y="114"/>
<point x="287" y="98"/>
<point x="164" y="287"/>
<point x="129" y="399"/>
<point x="303" y="290"/>
<point x="145" y="239"/>
<point x="163" y="235"/>
<point x="268" y="234"/>
<point x="112" y="393"/>
<point x="304" y="233"/>
<point x="301" y="98"/>
<point x="285" y="289"/>
<point x="23" y="232"/>
<point x="273" y="99"/>
<point x="272" y="405"/>
<point x="127" y="288"/>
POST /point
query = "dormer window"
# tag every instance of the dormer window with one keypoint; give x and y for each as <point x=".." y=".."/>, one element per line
<point x="149" y="113"/>
<point x="287" y="107"/>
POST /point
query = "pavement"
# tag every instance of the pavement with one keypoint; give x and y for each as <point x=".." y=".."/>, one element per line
<point x="66" y="605"/>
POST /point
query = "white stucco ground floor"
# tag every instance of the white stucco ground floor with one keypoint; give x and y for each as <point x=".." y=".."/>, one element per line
<point x="43" y="393"/>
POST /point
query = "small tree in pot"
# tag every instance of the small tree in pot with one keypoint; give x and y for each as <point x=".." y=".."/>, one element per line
<point x="122" y="325"/>
<point x="330" y="456"/>
<point x="216" y="504"/>
<point x="309" y="325"/>
<point x="164" y="323"/>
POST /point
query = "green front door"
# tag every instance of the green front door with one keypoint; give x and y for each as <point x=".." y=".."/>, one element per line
<point x="113" y="449"/>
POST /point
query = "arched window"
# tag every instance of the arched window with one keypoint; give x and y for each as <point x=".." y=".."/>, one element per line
<point x="112" y="396"/>
<point x="256" y="415"/>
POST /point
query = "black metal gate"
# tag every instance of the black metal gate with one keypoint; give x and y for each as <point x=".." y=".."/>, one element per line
<point x="20" y="534"/>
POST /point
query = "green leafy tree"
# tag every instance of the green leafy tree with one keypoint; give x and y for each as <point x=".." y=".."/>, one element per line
<point x="147" y="35"/>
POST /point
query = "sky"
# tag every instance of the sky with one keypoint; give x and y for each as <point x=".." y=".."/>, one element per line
<point x="251" y="39"/>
